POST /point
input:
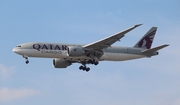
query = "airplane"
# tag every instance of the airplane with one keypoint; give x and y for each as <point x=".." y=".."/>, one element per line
<point x="65" y="55"/>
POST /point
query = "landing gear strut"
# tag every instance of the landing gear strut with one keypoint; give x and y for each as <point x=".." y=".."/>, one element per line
<point x="26" y="57"/>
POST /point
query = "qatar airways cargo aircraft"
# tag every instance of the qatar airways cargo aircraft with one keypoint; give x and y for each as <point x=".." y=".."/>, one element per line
<point x="66" y="54"/>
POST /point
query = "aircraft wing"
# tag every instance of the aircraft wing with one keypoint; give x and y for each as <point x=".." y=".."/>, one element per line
<point x="107" y="42"/>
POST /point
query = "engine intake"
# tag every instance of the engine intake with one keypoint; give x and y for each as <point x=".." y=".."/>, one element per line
<point x="75" y="51"/>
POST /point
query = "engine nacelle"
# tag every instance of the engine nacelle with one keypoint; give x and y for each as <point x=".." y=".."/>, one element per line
<point x="60" y="63"/>
<point x="75" y="51"/>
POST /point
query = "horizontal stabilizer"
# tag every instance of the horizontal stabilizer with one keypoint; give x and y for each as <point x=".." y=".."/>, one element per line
<point x="154" y="49"/>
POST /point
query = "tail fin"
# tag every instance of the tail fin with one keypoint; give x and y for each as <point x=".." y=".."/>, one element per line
<point x="146" y="41"/>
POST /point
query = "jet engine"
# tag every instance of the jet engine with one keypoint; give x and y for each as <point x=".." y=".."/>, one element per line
<point x="75" y="51"/>
<point x="60" y="63"/>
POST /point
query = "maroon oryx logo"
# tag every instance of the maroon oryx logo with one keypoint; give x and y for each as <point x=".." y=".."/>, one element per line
<point x="147" y="40"/>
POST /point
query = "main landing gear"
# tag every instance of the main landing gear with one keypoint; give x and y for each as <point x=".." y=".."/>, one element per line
<point x="26" y="57"/>
<point x="93" y="62"/>
<point x="84" y="68"/>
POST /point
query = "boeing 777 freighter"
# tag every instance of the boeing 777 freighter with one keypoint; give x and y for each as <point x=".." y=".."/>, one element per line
<point x="66" y="54"/>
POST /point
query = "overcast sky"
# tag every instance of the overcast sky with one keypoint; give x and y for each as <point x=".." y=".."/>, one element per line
<point x="147" y="81"/>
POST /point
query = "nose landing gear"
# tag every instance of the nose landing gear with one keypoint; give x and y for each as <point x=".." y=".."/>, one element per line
<point x="26" y="57"/>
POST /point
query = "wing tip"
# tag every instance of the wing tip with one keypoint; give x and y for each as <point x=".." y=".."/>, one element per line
<point x="166" y="45"/>
<point x="138" y="25"/>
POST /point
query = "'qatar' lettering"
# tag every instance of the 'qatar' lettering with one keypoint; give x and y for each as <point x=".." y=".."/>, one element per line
<point x="49" y="47"/>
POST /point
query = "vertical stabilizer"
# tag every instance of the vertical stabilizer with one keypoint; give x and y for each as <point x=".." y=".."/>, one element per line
<point x="146" y="41"/>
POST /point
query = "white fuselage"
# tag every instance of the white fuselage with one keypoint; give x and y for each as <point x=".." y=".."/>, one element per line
<point x="54" y="50"/>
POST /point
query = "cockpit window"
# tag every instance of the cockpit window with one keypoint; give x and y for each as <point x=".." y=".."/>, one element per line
<point x="18" y="46"/>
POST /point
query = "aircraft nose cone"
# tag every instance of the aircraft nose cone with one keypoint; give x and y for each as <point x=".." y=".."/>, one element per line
<point x="17" y="51"/>
<point x="14" y="50"/>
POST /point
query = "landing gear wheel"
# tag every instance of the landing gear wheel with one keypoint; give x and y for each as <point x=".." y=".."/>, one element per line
<point x="81" y="67"/>
<point x="27" y="62"/>
<point x="87" y="69"/>
<point x="96" y="63"/>
<point x="84" y="68"/>
<point x="90" y="61"/>
<point x="93" y="62"/>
